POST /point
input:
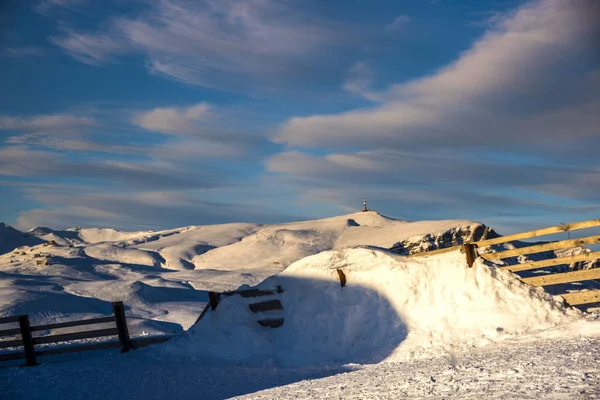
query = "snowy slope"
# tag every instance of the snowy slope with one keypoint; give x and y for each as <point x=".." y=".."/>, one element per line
<point x="10" y="239"/>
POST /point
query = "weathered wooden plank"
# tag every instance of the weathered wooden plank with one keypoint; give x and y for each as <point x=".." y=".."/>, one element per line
<point x="69" y="324"/>
<point x="7" y="320"/>
<point x="553" y="261"/>
<point x="75" y="336"/>
<point x="566" y="277"/>
<point x="271" y="323"/>
<point x="585" y="297"/>
<point x="541" y="232"/>
<point x="266" y="306"/>
<point x="11" y="343"/>
<point x="10" y="332"/>
<point x="76" y="349"/>
<point x="14" y="355"/>
<point x="470" y="250"/>
<point x="562" y="244"/>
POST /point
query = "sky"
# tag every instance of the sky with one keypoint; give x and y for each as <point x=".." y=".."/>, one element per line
<point x="153" y="114"/>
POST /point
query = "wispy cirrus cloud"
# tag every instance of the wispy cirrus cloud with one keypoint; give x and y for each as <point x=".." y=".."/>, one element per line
<point x="90" y="49"/>
<point x="358" y="78"/>
<point x="67" y="206"/>
<point x="44" y="122"/>
<point x="399" y="22"/>
<point x="26" y="51"/>
<point x="46" y="6"/>
<point x="22" y="161"/>
<point x="230" y="43"/>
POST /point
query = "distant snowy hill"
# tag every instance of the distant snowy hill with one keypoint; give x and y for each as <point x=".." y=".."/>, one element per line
<point x="10" y="238"/>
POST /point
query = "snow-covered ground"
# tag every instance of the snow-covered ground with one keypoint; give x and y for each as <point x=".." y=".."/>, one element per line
<point x="543" y="369"/>
<point x="400" y="328"/>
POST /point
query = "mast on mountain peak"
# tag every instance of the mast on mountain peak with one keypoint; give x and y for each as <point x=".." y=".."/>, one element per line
<point x="365" y="204"/>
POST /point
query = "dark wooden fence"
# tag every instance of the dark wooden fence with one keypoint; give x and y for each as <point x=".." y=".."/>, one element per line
<point x="28" y="340"/>
<point x="478" y="249"/>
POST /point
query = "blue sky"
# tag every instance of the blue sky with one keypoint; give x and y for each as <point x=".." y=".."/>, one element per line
<point x="149" y="114"/>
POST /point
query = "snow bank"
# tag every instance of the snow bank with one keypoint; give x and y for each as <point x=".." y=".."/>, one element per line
<point x="392" y="308"/>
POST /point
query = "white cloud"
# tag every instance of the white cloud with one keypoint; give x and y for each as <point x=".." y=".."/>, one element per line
<point x="20" y="161"/>
<point x="175" y="120"/>
<point x="399" y="22"/>
<point x="358" y="79"/>
<point x="130" y="210"/>
<point x="24" y="51"/>
<point x="505" y="86"/>
<point x="44" y="122"/>
<point x="209" y="43"/>
<point x="45" y="6"/>
<point x="90" y="48"/>
<point x="187" y="149"/>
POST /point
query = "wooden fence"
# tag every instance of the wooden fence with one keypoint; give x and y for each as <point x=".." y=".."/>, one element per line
<point x="474" y="250"/>
<point x="28" y="341"/>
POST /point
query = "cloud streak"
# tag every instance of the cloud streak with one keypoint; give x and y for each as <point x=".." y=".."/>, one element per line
<point x="226" y="43"/>
<point x="175" y="120"/>
<point x="44" y="122"/>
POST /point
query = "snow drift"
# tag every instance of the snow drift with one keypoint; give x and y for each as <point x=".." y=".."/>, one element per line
<point x="392" y="308"/>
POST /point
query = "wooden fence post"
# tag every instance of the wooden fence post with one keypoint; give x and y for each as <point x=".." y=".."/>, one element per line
<point x="123" y="331"/>
<point x="342" y="277"/>
<point x="213" y="298"/>
<point x="471" y="252"/>
<point x="27" y="340"/>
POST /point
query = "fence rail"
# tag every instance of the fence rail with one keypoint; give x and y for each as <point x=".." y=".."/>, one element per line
<point x="574" y="298"/>
<point x="28" y="341"/>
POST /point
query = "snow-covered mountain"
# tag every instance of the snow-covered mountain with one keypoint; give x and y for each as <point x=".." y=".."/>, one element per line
<point x="11" y="238"/>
